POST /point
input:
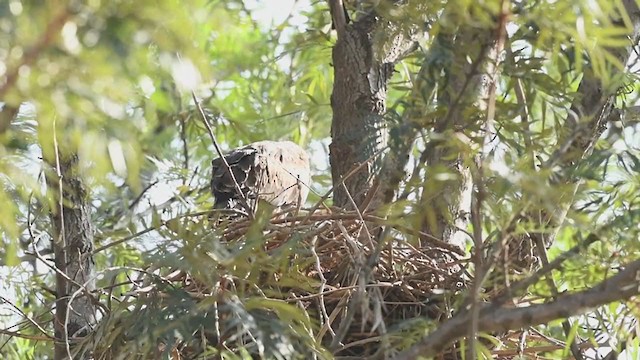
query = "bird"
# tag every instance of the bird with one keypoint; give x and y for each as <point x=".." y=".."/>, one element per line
<point x="277" y="172"/>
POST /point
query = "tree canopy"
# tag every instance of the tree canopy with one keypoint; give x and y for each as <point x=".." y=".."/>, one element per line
<point x="475" y="179"/>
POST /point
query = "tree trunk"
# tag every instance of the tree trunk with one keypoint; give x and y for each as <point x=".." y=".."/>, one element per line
<point x="435" y="76"/>
<point x="72" y="245"/>
<point x="463" y="97"/>
<point x="358" y="129"/>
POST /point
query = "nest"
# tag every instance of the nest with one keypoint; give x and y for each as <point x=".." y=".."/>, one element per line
<point x="364" y="281"/>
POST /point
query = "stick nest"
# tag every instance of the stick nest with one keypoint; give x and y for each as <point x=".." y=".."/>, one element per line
<point x="358" y="279"/>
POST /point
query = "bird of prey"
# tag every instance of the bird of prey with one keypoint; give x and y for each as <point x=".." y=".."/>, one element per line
<point x="275" y="171"/>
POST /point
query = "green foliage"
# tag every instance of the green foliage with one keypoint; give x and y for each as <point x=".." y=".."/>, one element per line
<point x="199" y="313"/>
<point x="112" y="80"/>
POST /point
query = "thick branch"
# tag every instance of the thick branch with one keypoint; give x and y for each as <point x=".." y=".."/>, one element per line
<point x="402" y="137"/>
<point x="620" y="287"/>
<point x="339" y="16"/>
<point x="459" y="84"/>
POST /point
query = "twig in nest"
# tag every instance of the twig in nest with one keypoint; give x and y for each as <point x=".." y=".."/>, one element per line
<point x="243" y="199"/>
<point x="343" y="179"/>
<point x="355" y="206"/>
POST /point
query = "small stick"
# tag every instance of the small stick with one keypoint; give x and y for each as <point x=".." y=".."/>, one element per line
<point x="243" y="199"/>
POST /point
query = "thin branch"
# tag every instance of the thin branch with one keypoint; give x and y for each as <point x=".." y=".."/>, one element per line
<point x="357" y="210"/>
<point x="152" y="228"/>
<point x="323" y="282"/>
<point x="174" y="198"/>
<point x="566" y="324"/>
<point x="341" y="181"/>
<point x="614" y="353"/>
<point x="24" y="315"/>
<point x="25" y="336"/>
<point x="524" y="118"/>
<point x="524" y="284"/>
<point x="141" y="195"/>
<point x="185" y="147"/>
<point x="60" y="253"/>
<point x="478" y="197"/>
<point x="243" y="198"/>
<point x="542" y="349"/>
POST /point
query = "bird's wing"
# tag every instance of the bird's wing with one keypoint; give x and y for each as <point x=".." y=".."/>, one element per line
<point x="242" y="164"/>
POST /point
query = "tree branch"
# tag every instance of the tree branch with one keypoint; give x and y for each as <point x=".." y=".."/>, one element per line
<point x="492" y="318"/>
<point x="243" y="198"/>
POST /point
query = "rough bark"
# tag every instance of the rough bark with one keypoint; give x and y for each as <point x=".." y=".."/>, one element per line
<point x="448" y="80"/>
<point x="72" y="245"/>
<point x="362" y="70"/>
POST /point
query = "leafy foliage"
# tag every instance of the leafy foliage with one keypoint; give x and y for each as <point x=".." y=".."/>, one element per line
<point x="112" y="81"/>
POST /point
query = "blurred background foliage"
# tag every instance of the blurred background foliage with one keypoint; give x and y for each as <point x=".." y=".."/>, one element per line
<point x="114" y="79"/>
